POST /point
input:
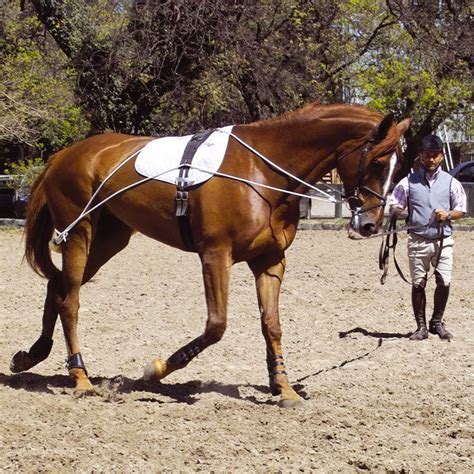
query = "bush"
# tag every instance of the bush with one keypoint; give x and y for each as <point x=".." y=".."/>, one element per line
<point x="23" y="174"/>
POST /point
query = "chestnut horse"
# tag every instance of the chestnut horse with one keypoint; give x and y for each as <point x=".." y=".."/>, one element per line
<point x="229" y="221"/>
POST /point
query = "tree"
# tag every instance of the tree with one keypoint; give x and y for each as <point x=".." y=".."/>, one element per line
<point x="38" y="112"/>
<point x="130" y="56"/>
<point x="162" y="67"/>
<point x="417" y="72"/>
<point x="444" y="29"/>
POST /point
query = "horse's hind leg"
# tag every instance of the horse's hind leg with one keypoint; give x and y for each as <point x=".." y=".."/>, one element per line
<point x="268" y="272"/>
<point x="110" y="237"/>
<point x="63" y="298"/>
<point x="81" y="262"/>
<point x="40" y="350"/>
<point x="75" y="252"/>
<point x="216" y="272"/>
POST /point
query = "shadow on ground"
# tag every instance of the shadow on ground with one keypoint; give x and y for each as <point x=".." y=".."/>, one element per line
<point x="112" y="388"/>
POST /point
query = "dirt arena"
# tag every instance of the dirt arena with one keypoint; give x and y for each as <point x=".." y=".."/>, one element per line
<point x="372" y="400"/>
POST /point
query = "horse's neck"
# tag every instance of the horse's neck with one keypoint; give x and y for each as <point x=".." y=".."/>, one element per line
<point x="308" y="149"/>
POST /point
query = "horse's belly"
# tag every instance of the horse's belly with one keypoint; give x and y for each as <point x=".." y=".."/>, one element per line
<point x="150" y="210"/>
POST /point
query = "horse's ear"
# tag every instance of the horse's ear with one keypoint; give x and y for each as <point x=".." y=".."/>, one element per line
<point x="404" y="125"/>
<point x="383" y="128"/>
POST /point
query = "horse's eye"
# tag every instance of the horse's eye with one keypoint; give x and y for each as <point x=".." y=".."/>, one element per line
<point x="378" y="164"/>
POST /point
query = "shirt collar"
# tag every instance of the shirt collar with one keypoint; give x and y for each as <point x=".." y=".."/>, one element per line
<point x="431" y="177"/>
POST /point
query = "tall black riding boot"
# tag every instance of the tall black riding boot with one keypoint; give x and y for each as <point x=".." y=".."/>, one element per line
<point x="418" y="300"/>
<point x="436" y="325"/>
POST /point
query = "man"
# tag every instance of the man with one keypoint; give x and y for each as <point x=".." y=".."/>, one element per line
<point x="433" y="198"/>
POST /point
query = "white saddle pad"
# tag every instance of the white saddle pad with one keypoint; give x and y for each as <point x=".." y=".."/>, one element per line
<point x="160" y="158"/>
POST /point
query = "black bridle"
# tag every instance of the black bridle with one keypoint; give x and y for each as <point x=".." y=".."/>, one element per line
<point x="357" y="208"/>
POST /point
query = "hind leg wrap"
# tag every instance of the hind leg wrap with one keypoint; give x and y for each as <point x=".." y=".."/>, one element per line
<point x="75" y="362"/>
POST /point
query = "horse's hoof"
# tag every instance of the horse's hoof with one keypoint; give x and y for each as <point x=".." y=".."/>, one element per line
<point x="290" y="403"/>
<point x="84" y="388"/>
<point x="20" y="362"/>
<point x="155" y="371"/>
<point x="84" y="392"/>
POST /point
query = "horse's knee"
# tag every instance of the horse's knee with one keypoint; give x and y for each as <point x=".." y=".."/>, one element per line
<point x="69" y="306"/>
<point x="271" y="326"/>
<point x="215" y="331"/>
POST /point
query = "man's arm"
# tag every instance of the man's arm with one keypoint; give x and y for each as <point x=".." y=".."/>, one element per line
<point x="443" y="215"/>
<point x="398" y="200"/>
<point x="458" y="204"/>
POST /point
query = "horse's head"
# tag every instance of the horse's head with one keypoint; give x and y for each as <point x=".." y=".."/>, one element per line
<point x="367" y="172"/>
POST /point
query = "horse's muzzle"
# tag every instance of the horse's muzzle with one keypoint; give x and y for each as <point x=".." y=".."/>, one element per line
<point x="365" y="223"/>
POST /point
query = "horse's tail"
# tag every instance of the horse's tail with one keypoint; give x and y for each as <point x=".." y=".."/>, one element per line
<point x="39" y="230"/>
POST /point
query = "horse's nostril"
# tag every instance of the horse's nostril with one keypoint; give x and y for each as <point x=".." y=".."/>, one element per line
<point x="369" y="228"/>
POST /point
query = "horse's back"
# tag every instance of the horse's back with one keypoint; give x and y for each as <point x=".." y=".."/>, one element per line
<point x="105" y="145"/>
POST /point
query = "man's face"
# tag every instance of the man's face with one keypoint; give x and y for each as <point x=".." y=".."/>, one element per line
<point x="431" y="159"/>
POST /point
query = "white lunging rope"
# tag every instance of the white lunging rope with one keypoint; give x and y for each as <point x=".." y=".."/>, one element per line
<point x="62" y="236"/>
<point x="329" y="198"/>
<point x="264" y="158"/>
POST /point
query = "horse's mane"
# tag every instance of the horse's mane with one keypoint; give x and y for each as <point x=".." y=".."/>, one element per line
<point x="362" y="118"/>
<point x="319" y="111"/>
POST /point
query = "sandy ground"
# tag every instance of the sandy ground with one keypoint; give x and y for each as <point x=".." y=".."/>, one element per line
<point x="372" y="399"/>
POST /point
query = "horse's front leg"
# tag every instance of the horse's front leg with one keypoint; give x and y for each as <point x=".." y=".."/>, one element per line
<point x="269" y="272"/>
<point x="216" y="266"/>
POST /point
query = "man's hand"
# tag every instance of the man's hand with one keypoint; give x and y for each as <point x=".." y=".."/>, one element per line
<point x="399" y="212"/>
<point x="441" y="215"/>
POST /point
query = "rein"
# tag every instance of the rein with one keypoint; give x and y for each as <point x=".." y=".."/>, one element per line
<point x="386" y="246"/>
<point x="384" y="252"/>
<point x="357" y="211"/>
<point x="279" y="168"/>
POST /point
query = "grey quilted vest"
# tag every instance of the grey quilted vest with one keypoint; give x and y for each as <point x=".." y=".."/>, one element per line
<point x="423" y="199"/>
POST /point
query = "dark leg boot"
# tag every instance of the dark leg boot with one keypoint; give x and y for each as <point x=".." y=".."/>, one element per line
<point x="436" y="325"/>
<point x="418" y="300"/>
